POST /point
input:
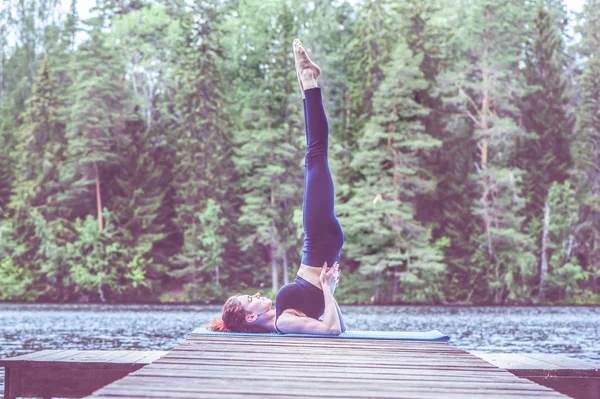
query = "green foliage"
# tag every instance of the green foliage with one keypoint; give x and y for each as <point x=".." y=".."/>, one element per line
<point x="93" y="260"/>
<point x="564" y="274"/>
<point x="14" y="281"/>
<point x="546" y="156"/>
<point x="452" y="124"/>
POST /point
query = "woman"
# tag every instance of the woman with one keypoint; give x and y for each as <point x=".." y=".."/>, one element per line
<point x="301" y="304"/>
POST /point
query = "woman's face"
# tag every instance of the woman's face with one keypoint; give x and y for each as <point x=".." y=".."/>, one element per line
<point x="256" y="304"/>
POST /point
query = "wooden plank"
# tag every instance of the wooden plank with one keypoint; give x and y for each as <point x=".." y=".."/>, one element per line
<point x="29" y="356"/>
<point x="527" y="365"/>
<point x="292" y="363"/>
<point x="563" y="362"/>
<point x="90" y="358"/>
<point x="314" y="349"/>
<point x="350" y="372"/>
<point x="322" y="384"/>
<point x="349" y="359"/>
<point x="308" y="391"/>
<point x="347" y="355"/>
<point x="280" y="395"/>
<point x="340" y="373"/>
<point x="298" y="367"/>
<point x="130" y="357"/>
<point x="152" y="357"/>
<point x="48" y="357"/>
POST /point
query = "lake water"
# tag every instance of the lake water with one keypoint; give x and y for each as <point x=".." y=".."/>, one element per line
<point x="25" y="328"/>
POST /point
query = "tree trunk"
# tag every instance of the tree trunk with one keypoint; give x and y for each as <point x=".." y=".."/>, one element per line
<point x="217" y="275"/>
<point x="595" y="285"/>
<point x="348" y="106"/>
<point x="194" y="284"/>
<point x="396" y="285"/>
<point x="378" y="288"/>
<point x="544" y="262"/>
<point x="98" y="198"/>
<point x="274" y="276"/>
<point x="285" y="268"/>
<point x="101" y="293"/>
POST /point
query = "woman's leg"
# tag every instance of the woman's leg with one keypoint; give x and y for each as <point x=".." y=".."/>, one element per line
<point x="323" y="235"/>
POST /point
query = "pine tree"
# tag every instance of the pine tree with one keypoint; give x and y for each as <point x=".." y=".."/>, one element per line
<point x="381" y="213"/>
<point x="490" y="40"/>
<point x="456" y="195"/>
<point x="39" y="151"/>
<point x="137" y="192"/>
<point x="202" y="140"/>
<point x="546" y="157"/>
<point x="420" y="24"/>
<point x="91" y="128"/>
<point x="373" y="38"/>
<point x="559" y="266"/>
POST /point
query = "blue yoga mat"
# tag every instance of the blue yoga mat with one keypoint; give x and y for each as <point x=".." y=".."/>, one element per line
<point x="433" y="335"/>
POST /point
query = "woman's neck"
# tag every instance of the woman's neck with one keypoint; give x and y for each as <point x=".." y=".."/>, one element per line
<point x="267" y="321"/>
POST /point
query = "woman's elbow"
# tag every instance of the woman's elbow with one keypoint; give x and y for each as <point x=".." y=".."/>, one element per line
<point x="334" y="331"/>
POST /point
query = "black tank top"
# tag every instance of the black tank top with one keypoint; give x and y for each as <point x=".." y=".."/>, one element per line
<point x="300" y="295"/>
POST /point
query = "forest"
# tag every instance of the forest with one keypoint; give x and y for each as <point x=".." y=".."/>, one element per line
<point x="154" y="152"/>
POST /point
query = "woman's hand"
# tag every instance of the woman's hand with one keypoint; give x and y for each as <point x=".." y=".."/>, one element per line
<point x="330" y="278"/>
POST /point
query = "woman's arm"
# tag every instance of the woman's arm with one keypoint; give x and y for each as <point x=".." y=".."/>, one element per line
<point x="291" y="323"/>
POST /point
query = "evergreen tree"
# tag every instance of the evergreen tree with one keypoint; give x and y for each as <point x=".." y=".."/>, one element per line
<point x="202" y="139"/>
<point x="373" y="38"/>
<point x="98" y="263"/>
<point x="39" y="151"/>
<point x="489" y="38"/>
<point x="92" y="126"/>
<point x="380" y="217"/>
<point x="546" y="157"/>
<point x="420" y="24"/>
<point x="138" y="190"/>
<point x="559" y="266"/>
<point x="456" y="195"/>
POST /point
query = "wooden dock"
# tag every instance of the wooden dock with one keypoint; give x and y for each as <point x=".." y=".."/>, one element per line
<point x="292" y="367"/>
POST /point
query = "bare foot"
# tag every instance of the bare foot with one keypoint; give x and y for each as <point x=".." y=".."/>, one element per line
<point x="308" y="72"/>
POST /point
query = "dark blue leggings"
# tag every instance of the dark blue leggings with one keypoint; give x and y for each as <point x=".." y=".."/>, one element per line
<point x="323" y="235"/>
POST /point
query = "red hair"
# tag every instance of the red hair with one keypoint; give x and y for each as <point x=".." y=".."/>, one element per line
<point x="233" y="318"/>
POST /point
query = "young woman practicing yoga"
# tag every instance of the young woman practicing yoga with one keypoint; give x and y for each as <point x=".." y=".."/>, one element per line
<point x="300" y="305"/>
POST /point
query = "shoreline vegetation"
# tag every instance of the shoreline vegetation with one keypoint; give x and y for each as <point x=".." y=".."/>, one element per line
<point x="154" y="152"/>
<point x="176" y="299"/>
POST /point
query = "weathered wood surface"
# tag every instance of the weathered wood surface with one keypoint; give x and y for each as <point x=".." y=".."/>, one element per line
<point x="538" y="364"/>
<point x="69" y="373"/>
<point x="292" y="367"/>
<point x="576" y="378"/>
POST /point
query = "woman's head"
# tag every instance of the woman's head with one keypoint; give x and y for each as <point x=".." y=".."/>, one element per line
<point x="240" y="312"/>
